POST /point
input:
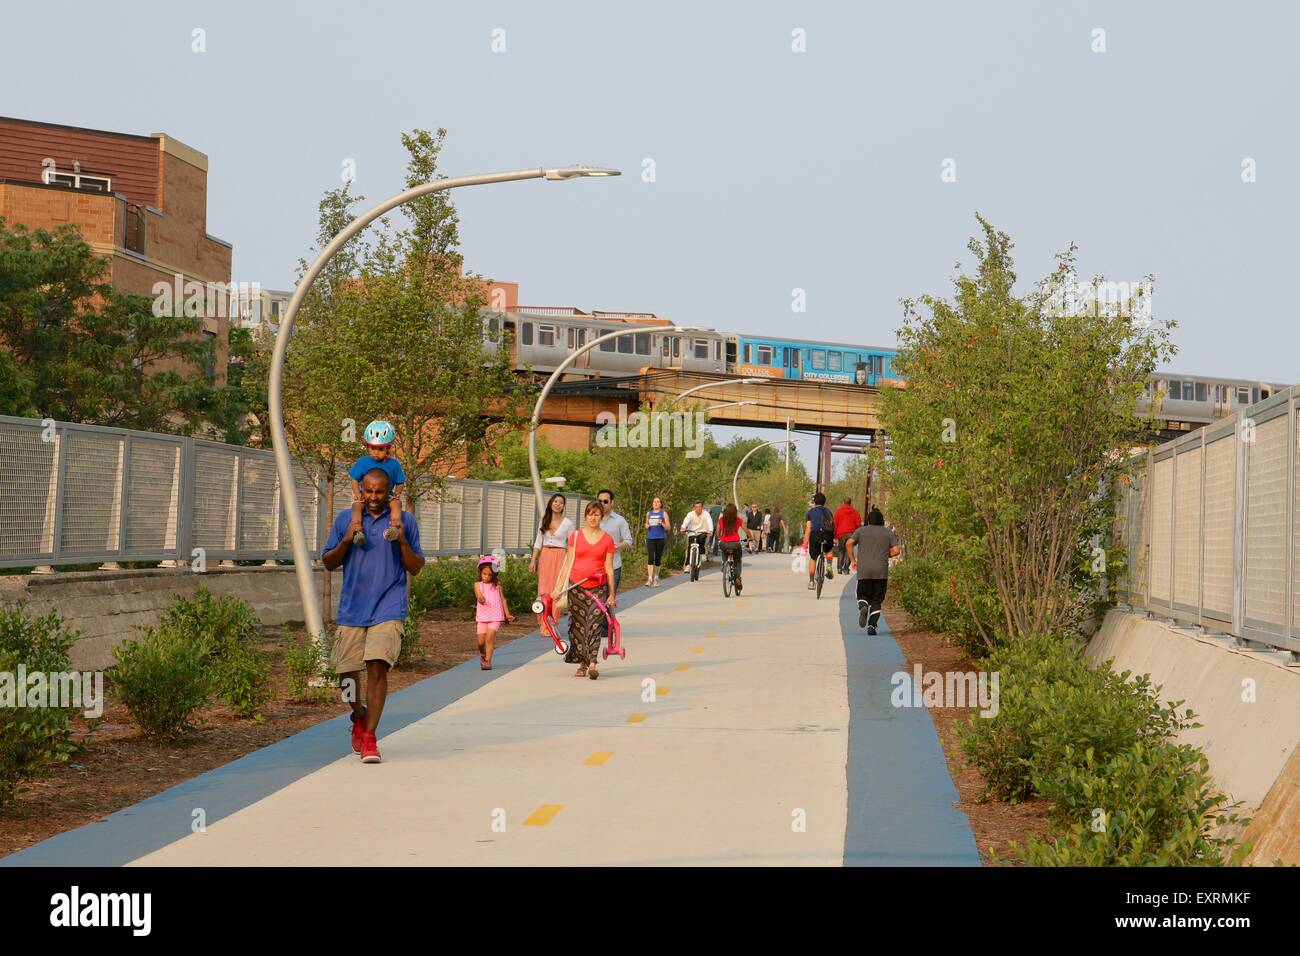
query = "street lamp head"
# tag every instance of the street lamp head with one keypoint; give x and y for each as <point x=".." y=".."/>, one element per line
<point x="577" y="172"/>
<point x="559" y="481"/>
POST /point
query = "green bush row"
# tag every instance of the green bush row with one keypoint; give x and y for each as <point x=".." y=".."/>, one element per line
<point x="1100" y="746"/>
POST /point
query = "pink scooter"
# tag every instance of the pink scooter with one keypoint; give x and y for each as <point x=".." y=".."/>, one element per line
<point x="545" y="606"/>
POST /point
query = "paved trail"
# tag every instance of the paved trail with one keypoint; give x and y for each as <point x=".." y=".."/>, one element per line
<point x="752" y="731"/>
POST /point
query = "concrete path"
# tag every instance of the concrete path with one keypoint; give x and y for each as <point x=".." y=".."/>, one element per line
<point x="736" y="732"/>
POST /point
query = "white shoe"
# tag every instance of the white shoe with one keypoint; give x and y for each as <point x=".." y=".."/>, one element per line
<point x="812" y="586"/>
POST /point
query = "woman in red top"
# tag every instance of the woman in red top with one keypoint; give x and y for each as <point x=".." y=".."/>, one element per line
<point x="729" y="528"/>
<point x="590" y="559"/>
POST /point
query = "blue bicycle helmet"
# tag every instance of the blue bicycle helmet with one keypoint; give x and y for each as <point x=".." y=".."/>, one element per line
<point x="378" y="434"/>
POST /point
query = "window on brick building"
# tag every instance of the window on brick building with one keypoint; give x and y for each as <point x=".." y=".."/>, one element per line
<point x="52" y="177"/>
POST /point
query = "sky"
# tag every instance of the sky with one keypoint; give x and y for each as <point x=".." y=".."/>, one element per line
<point x="766" y="147"/>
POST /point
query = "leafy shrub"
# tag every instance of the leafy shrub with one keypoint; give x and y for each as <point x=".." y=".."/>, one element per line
<point x="1151" y="804"/>
<point x="926" y="589"/>
<point x="32" y="738"/>
<point x="1053" y="707"/>
<point x="242" y="678"/>
<point x="162" y="680"/>
<point x="303" y="665"/>
<point x="228" y="633"/>
<point x="450" y="584"/>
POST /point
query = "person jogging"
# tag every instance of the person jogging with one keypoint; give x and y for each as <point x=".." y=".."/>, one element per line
<point x="372" y="603"/>
<point x="870" y="548"/>
<point x="847" y="521"/>
<point x="657" y="524"/>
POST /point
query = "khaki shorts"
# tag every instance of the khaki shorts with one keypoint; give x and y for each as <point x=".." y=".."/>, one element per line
<point x="353" y="646"/>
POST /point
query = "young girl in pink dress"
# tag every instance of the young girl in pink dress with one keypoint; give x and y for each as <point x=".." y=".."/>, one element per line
<point x="491" y="610"/>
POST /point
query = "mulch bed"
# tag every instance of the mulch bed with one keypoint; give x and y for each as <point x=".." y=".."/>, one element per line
<point x="994" y="822"/>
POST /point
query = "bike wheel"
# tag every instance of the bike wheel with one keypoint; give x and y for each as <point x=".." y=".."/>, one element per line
<point x="821" y="573"/>
<point x="695" y="565"/>
<point x="726" y="581"/>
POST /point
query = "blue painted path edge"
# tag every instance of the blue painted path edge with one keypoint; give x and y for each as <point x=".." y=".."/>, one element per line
<point x="902" y="802"/>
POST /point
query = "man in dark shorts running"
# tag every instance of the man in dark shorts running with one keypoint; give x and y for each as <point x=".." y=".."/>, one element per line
<point x="870" y="548"/>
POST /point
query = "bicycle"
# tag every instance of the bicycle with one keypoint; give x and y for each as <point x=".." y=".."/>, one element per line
<point x="729" y="575"/>
<point x="693" y="558"/>
<point x="820" y="574"/>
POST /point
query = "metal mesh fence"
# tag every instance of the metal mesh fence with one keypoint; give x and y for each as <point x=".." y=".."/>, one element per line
<point x="79" y="494"/>
<point x="1220" y="526"/>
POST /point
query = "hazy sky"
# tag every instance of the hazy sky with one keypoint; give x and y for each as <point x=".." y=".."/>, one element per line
<point x="773" y="169"/>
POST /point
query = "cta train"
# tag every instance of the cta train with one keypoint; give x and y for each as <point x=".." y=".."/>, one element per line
<point x="543" y="337"/>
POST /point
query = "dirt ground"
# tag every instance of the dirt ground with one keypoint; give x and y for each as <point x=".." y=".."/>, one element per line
<point x="994" y="823"/>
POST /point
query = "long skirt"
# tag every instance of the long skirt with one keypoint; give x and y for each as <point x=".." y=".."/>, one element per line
<point x="549" y="564"/>
<point x="586" y="623"/>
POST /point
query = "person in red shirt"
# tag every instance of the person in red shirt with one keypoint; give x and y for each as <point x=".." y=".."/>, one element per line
<point x="730" y="528"/>
<point x="847" y="521"/>
<point x="590" y="560"/>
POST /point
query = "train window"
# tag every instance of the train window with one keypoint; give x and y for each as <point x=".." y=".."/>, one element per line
<point x="747" y="353"/>
<point x="717" y="351"/>
<point x="880" y="364"/>
<point x="818" y="358"/>
<point x="836" y="363"/>
<point x="765" y="355"/>
<point x="1187" y="391"/>
<point x="642" y="343"/>
<point x="1243" y="395"/>
<point x="546" y="335"/>
<point x="667" y="347"/>
<point x="701" y="348"/>
<point x="609" y="346"/>
<point x="1200" y="391"/>
<point x="571" y="338"/>
<point x="677" y="347"/>
<point x="624" y="344"/>
<point x="1263" y="393"/>
<point x="493" y="327"/>
<point x="1254" y="395"/>
<point x="527" y="337"/>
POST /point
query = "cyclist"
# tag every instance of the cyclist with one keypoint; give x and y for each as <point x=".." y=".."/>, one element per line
<point x="697" y="526"/>
<point x="730" y="526"/>
<point x="818" y="536"/>
<point x="847" y="521"/>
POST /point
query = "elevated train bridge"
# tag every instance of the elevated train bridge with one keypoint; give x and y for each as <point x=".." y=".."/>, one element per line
<point x="845" y="416"/>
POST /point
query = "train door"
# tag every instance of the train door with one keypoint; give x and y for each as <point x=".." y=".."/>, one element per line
<point x="790" y="360"/>
<point x="731" y="353"/>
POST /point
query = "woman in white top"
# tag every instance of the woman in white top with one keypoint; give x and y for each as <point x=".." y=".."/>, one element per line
<point x="550" y="546"/>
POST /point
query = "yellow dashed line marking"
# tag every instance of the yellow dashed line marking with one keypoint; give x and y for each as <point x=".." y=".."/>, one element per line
<point x="697" y="650"/>
<point x="599" y="757"/>
<point x="635" y="718"/>
<point x="682" y="667"/>
<point x="710" y="633"/>
<point x="660" y="691"/>
<point x="543" y="814"/>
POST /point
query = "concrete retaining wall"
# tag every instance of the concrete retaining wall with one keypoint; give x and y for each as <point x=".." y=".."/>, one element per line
<point x="106" y="606"/>
<point x="1249" y="742"/>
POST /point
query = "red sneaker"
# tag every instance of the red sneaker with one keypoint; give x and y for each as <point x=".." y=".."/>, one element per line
<point x="369" y="748"/>
<point x="358" y="731"/>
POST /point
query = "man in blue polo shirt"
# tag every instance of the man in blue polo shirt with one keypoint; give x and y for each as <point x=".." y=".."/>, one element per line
<point x="372" y="604"/>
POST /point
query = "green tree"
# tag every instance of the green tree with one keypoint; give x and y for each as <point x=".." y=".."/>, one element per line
<point x="85" y="352"/>
<point x="579" y="468"/>
<point x="1012" y="430"/>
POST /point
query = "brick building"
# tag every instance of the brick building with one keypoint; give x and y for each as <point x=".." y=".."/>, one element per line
<point x="140" y="201"/>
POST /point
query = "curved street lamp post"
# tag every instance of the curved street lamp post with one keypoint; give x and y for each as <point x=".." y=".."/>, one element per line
<point x="735" y="492"/>
<point x="275" y="386"/>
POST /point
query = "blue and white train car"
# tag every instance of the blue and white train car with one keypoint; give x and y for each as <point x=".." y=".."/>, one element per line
<point x="803" y="359"/>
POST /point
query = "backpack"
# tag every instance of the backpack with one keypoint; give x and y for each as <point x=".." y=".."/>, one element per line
<point x="821" y="519"/>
